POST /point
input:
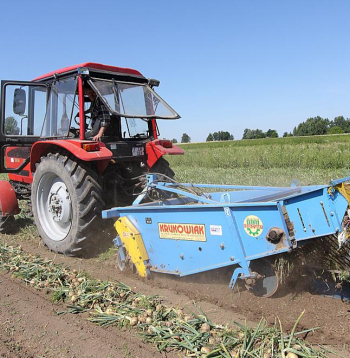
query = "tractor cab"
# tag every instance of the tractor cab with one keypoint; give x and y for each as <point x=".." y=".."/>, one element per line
<point x="50" y="120"/>
<point x="54" y="107"/>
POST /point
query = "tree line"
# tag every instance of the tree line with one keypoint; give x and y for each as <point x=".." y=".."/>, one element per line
<point x="318" y="126"/>
<point x="220" y="135"/>
<point x="258" y="133"/>
<point x="312" y="126"/>
<point x="216" y="136"/>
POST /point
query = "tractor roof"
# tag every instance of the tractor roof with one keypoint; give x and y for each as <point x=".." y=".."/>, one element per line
<point x="95" y="67"/>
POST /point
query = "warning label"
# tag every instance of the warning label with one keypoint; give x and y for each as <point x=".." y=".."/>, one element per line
<point x="191" y="232"/>
<point x="216" y="230"/>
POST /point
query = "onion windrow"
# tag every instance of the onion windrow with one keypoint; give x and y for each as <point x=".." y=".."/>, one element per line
<point x="168" y="328"/>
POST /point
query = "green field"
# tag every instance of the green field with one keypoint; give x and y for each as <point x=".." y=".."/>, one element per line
<point x="275" y="161"/>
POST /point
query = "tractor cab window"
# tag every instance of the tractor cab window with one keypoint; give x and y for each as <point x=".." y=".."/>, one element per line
<point x="24" y="109"/>
<point x="62" y="103"/>
<point x="134" y="103"/>
<point x="133" y="100"/>
<point x="135" y="128"/>
<point x="39" y="110"/>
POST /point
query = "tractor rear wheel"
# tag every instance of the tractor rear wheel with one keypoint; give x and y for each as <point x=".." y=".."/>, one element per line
<point x="67" y="203"/>
<point x="162" y="167"/>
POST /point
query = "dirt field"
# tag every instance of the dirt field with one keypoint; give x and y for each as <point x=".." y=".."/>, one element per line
<point x="31" y="328"/>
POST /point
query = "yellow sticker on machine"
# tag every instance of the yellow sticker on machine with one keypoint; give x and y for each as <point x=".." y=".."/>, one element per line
<point x="191" y="232"/>
<point x="125" y="234"/>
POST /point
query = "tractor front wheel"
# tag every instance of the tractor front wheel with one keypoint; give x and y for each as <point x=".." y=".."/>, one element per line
<point x="67" y="203"/>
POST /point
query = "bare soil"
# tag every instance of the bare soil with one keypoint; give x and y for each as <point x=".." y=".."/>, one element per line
<point x="29" y="326"/>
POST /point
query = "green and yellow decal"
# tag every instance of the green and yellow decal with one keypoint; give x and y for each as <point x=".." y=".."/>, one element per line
<point x="253" y="226"/>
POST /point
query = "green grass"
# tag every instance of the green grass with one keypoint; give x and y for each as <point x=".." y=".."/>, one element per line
<point x="107" y="255"/>
<point x="311" y="160"/>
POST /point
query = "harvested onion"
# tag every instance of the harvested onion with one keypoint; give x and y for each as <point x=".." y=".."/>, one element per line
<point x="292" y="355"/>
<point x="205" y="328"/>
<point x="205" y="350"/>
<point x="134" y="321"/>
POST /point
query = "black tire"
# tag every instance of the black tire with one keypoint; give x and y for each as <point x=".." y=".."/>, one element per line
<point x="162" y="167"/>
<point x="67" y="201"/>
<point x="7" y="224"/>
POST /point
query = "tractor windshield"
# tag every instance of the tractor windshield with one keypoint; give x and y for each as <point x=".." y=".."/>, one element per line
<point x="133" y="100"/>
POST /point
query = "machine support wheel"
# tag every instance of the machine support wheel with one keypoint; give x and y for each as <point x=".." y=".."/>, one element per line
<point x="67" y="203"/>
<point x="7" y="224"/>
<point x="121" y="258"/>
<point x="267" y="282"/>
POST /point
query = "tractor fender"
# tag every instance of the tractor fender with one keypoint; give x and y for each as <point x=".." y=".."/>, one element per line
<point x="157" y="148"/>
<point x="102" y="156"/>
<point x="8" y="199"/>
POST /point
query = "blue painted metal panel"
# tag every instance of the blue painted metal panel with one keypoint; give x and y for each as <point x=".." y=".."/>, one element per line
<point x="183" y="257"/>
<point x="224" y="245"/>
<point x="314" y="214"/>
<point x="257" y="246"/>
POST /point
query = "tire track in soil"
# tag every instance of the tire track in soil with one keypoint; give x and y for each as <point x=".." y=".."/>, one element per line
<point x="30" y="327"/>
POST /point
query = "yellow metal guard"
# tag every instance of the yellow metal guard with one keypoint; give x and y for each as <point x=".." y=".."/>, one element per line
<point x="133" y="244"/>
<point x="344" y="189"/>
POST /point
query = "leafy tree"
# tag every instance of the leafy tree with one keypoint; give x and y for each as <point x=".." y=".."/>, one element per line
<point x="313" y="126"/>
<point x="253" y="134"/>
<point x="341" y="122"/>
<point x="222" y="135"/>
<point x="210" y="138"/>
<point x="11" y="125"/>
<point x="174" y="140"/>
<point x="271" y="133"/>
<point x="185" y="138"/>
<point x="286" y="134"/>
<point x="335" y="130"/>
<point x="247" y="134"/>
<point x="258" y="133"/>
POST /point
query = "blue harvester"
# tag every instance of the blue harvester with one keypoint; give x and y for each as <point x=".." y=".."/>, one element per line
<point x="183" y="229"/>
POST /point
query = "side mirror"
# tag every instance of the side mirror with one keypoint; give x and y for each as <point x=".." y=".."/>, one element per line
<point x="153" y="82"/>
<point x="19" y="101"/>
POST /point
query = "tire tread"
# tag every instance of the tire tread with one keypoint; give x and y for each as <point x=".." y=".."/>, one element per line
<point x="89" y="202"/>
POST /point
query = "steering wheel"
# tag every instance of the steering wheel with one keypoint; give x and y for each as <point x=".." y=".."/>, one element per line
<point x="76" y="119"/>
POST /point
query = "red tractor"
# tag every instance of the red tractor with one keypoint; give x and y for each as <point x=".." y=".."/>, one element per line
<point x="69" y="177"/>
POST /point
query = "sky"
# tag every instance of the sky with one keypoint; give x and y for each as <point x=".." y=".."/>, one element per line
<point x="223" y="65"/>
